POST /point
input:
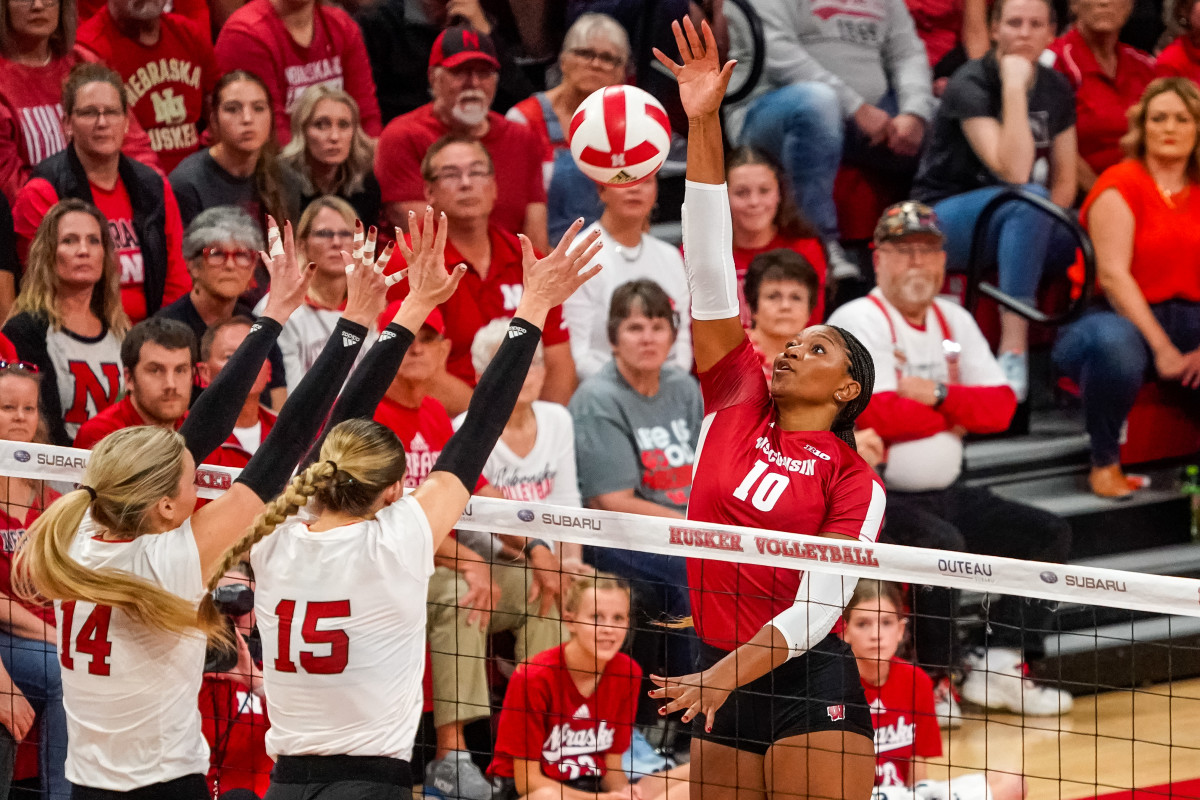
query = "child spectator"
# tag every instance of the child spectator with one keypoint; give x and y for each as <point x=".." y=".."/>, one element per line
<point x="568" y="714"/>
<point x="318" y="44"/>
<point x="143" y="217"/>
<point x="900" y="696"/>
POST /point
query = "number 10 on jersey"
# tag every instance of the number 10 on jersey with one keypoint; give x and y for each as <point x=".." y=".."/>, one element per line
<point x="769" y="489"/>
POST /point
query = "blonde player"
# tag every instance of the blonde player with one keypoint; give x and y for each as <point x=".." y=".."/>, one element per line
<point x="340" y="594"/>
<point x="126" y="561"/>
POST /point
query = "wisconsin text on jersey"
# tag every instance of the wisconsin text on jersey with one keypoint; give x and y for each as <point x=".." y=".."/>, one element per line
<point x="804" y="466"/>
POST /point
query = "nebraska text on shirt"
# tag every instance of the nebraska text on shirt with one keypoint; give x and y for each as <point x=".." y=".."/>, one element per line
<point x="326" y="71"/>
<point x="894" y="737"/>
<point x="565" y="742"/>
<point x="164" y="70"/>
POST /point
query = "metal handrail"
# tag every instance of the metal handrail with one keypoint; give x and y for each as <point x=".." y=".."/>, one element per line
<point x="759" y="59"/>
<point x="976" y="265"/>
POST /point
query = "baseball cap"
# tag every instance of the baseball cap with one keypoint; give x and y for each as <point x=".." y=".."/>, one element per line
<point x="434" y="320"/>
<point x="460" y="44"/>
<point x="901" y="219"/>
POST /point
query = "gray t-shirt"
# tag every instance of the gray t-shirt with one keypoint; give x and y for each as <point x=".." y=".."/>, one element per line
<point x="625" y="440"/>
<point x="199" y="183"/>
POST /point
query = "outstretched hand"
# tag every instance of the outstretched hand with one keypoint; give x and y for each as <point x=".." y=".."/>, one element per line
<point x="551" y="280"/>
<point x="425" y="254"/>
<point x="695" y="694"/>
<point x="366" y="284"/>
<point x="289" y="281"/>
<point x="702" y="80"/>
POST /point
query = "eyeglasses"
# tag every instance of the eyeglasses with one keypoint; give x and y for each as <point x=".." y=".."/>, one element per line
<point x="19" y="366"/>
<point x="92" y="115"/>
<point x="216" y="257"/>
<point x="610" y="60"/>
<point x="451" y="175"/>
<point x="325" y="233"/>
<point x="911" y="250"/>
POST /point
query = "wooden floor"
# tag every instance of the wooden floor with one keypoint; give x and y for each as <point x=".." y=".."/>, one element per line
<point x="1111" y="742"/>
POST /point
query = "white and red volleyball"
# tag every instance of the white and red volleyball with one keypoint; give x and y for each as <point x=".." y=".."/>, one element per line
<point x="619" y="136"/>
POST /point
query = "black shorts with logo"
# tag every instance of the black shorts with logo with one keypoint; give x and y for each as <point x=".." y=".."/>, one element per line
<point x="340" y="778"/>
<point x="818" y="691"/>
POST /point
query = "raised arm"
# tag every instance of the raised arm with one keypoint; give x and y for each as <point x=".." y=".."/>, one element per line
<point x="707" y="225"/>
<point x="548" y="282"/>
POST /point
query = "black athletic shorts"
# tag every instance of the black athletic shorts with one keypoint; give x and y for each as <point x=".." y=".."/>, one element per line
<point x="340" y="778"/>
<point x="189" y="787"/>
<point x="818" y="691"/>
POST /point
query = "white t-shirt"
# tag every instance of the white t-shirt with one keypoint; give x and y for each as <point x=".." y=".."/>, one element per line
<point x="586" y="311"/>
<point x="304" y="336"/>
<point x="935" y="461"/>
<point x="350" y="606"/>
<point x="250" y="437"/>
<point x="129" y="691"/>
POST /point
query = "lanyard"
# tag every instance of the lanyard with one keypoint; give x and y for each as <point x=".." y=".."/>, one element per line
<point x="951" y="349"/>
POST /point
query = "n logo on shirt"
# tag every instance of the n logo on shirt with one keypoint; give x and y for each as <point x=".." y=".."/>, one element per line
<point x="512" y="295"/>
<point x="100" y="390"/>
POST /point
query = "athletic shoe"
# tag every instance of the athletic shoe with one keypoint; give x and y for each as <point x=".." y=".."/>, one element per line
<point x="456" y="777"/>
<point x="839" y="266"/>
<point x="1016" y="372"/>
<point x="945" y="704"/>
<point x="997" y="680"/>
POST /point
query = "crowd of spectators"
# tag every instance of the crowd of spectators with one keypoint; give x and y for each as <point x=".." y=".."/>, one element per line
<point x="142" y="152"/>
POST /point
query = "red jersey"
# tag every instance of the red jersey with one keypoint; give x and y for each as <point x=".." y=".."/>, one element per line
<point x="546" y="719"/>
<point x="255" y="39"/>
<point x="231" y="453"/>
<point x="479" y="300"/>
<point x="1181" y="58"/>
<point x="1101" y="101"/>
<point x="905" y="722"/>
<point x="13" y="525"/>
<point x="749" y="472"/>
<point x="116" y="417"/>
<point x="423" y="431"/>
<point x="810" y="248"/>
<point x="516" y="153"/>
<point x="194" y="10"/>
<point x="38" y="196"/>
<point x="235" y="724"/>
<point x="166" y="82"/>
<point x="938" y="23"/>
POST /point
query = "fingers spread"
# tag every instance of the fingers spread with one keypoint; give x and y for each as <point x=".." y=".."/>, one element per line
<point x="392" y="280"/>
<point x="384" y="258"/>
<point x="274" y="241"/>
<point x="360" y="238"/>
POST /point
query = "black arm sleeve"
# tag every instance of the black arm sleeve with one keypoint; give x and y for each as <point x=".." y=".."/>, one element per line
<point x="491" y="405"/>
<point x="212" y="418"/>
<point x="303" y="413"/>
<point x="369" y="382"/>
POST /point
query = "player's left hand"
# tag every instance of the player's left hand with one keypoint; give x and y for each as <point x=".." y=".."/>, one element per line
<point x="547" y="579"/>
<point x="702" y="79"/>
<point x="695" y="694"/>
<point x="289" y="280"/>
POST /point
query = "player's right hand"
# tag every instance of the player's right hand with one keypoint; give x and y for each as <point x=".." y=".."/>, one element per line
<point x="694" y="694"/>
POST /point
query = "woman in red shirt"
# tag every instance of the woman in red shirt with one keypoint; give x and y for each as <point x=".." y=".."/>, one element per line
<point x="30" y="672"/>
<point x="568" y="714"/>
<point x="1144" y="219"/>
<point x="765" y="218"/>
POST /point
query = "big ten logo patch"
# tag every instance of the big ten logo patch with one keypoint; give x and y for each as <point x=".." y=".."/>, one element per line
<point x="667" y="457"/>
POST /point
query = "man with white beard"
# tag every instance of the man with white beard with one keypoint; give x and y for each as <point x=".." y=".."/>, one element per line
<point x="936" y="380"/>
<point x="463" y="73"/>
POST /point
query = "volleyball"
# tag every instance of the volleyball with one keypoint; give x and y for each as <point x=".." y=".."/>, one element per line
<point x="619" y="136"/>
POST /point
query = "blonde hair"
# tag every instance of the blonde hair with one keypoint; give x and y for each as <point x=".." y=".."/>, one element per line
<point x="601" y="581"/>
<point x="1134" y="141"/>
<point x="40" y="284"/>
<point x="360" y="161"/>
<point x="44" y="568"/>
<point x="309" y="217"/>
<point x="359" y="460"/>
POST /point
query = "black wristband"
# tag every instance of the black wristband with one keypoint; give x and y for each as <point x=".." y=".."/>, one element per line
<point x="491" y="405"/>
<point x="215" y="413"/>
<point x="304" y="413"/>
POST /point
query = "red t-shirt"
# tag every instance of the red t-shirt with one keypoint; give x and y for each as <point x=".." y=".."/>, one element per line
<point x="423" y="431"/>
<point x="8" y="350"/>
<point x="255" y="39"/>
<point x="38" y="196"/>
<point x="478" y="301"/>
<point x="166" y="83"/>
<point x="810" y="248"/>
<point x="116" y="417"/>
<point x="750" y="472"/>
<point x="194" y="10"/>
<point x="516" y="153"/>
<point x="12" y="530"/>
<point x="546" y="719"/>
<point x="1165" y="261"/>
<point x="1180" y="58"/>
<point x="939" y="24"/>
<point x="905" y="722"/>
<point x="1101" y="101"/>
<point x="235" y="724"/>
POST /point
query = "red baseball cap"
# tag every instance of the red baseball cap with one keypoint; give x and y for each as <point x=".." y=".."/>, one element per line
<point x="434" y="320"/>
<point x="461" y="44"/>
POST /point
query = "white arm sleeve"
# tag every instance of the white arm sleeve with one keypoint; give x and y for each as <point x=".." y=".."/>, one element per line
<point x="708" y="251"/>
<point x="819" y="602"/>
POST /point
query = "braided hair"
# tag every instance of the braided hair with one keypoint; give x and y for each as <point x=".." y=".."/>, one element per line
<point x="862" y="369"/>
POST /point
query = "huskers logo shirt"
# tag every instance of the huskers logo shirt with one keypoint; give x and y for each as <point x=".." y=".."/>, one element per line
<point x="905" y="722"/>
<point x="88" y="372"/>
<point x="547" y="720"/>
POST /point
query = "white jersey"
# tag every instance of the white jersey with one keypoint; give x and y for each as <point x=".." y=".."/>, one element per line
<point x="130" y="691"/>
<point x="586" y="311"/>
<point x="342" y="618"/>
<point x="303" y="338"/>
<point x="88" y="373"/>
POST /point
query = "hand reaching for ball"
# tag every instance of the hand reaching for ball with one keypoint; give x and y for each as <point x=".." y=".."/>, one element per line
<point x="702" y="79"/>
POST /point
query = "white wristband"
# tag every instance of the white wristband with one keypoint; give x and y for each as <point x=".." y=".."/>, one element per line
<point x="708" y="251"/>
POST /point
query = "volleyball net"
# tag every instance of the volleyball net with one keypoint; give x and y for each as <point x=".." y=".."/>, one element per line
<point x="1122" y="648"/>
